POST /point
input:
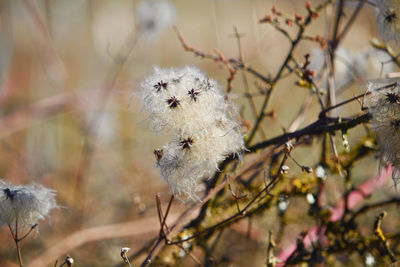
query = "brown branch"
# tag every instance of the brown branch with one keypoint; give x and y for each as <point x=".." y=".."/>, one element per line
<point x="318" y="127"/>
<point x="232" y="71"/>
<point x="283" y="66"/>
<point x="188" y="214"/>
<point x="241" y="213"/>
<point x="192" y="49"/>
<point x="201" y="54"/>
<point x="30" y="230"/>
<point x="162" y="234"/>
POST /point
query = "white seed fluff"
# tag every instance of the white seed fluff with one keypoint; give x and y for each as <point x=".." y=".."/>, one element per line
<point x="384" y="105"/>
<point x="169" y="101"/>
<point x="24" y="205"/>
<point x="388" y="19"/>
<point x="192" y="108"/>
<point x="153" y="17"/>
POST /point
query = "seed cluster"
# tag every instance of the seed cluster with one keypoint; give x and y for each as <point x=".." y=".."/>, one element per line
<point x="387" y="18"/>
<point x="201" y="122"/>
<point x="384" y="106"/>
<point x="23" y="206"/>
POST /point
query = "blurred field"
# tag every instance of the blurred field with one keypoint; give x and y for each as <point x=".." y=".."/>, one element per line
<point x="56" y="59"/>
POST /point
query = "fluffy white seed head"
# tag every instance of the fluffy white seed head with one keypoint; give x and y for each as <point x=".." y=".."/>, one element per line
<point x="201" y="121"/>
<point x="384" y="105"/>
<point x="384" y="100"/>
<point x="24" y="204"/>
<point x="190" y="157"/>
<point x="153" y="17"/>
<point x="388" y="19"/>
<point x="181" y="99"/>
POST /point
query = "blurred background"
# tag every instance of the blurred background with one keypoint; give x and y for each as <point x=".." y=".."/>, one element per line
<point x="71" y="119"/>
